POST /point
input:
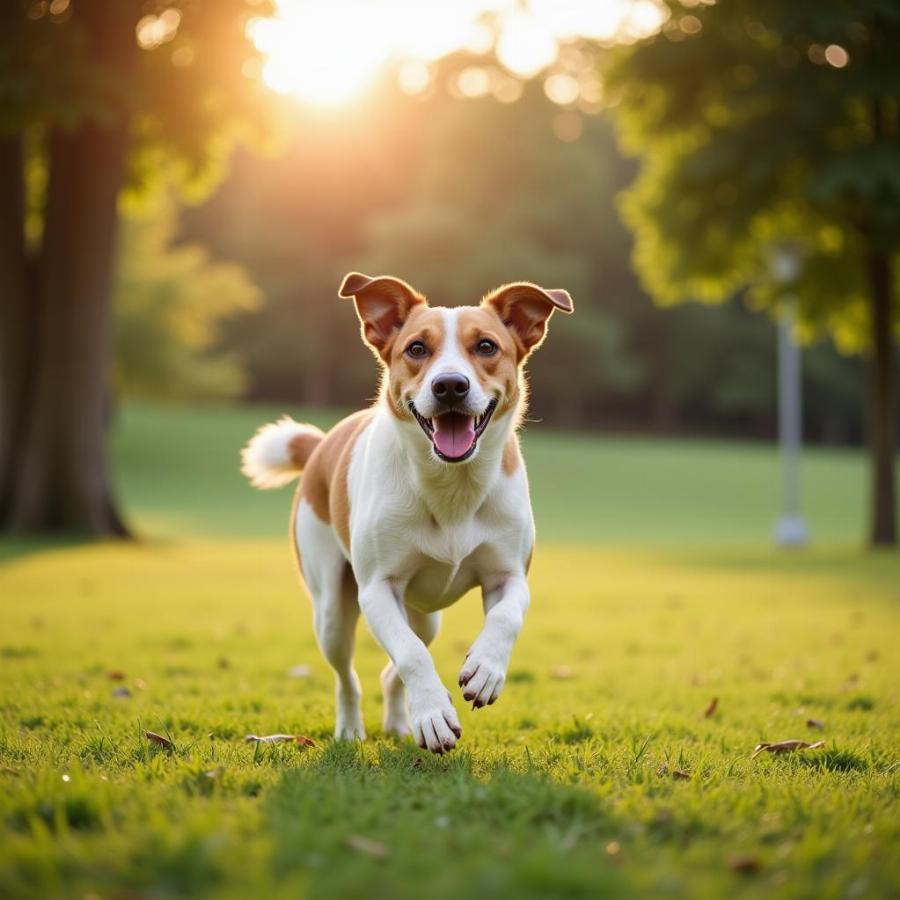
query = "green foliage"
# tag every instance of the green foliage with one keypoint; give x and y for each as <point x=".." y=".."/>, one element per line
<point x="750" y="137"/>
<point x="188" y="96"/>
<point x="170" y="301"/>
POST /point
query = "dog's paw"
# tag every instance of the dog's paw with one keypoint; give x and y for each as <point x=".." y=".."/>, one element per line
<point x="436" y="728"/>
<point x="482" y="677"/>
<point x="350" y="731"/>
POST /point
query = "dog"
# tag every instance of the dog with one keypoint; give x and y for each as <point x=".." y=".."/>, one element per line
<point x="406" y="506"/>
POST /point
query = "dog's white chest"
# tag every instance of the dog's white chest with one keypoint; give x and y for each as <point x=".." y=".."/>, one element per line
<point x="443" y="566"/>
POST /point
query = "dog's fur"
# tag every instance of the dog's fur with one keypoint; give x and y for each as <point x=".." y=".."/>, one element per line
<point x="387" y="523"/>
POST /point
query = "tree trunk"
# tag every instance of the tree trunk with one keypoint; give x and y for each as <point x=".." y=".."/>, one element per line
<point x="61" y="473"/>
<point x="882" y="412"/>
<point x="14" y="330"/>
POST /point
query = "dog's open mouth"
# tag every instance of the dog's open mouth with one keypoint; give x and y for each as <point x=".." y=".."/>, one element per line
<point x="454" y="435"/>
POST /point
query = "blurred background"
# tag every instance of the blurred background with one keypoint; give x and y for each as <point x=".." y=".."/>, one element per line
<point x="184" y="183"/>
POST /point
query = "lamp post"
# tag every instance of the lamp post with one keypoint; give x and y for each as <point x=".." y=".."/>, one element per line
<point x="790" y="529"/>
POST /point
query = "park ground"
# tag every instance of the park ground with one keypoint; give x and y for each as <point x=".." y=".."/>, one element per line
<point x="606" y="768"/>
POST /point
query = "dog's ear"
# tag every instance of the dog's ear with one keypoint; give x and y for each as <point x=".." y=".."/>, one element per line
<point x="525" y="309"/>
<point x="382" y="304"/>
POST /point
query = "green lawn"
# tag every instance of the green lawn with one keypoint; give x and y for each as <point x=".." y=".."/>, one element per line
<point x="596" y="773"/>
<point x="179" y="472"/>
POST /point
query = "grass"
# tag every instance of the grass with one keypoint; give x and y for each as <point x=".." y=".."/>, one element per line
<point x="585" y="489"/>
<point x="571" y="786"/>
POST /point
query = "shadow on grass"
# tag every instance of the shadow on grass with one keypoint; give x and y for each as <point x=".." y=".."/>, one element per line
<point x="14" y="547"/>
<point x="385" y="821"/>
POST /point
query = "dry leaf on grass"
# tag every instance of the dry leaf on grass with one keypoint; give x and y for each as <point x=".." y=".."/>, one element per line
<point x="746" y="865"/>
<point x="818" y="724"/>
<point x="159" y="739"/>
<point x="785" y="747"/>
<point x="368" y="847"/>
<point x="300" y="739"/>
<point x="116" y="675"/>
<point x="677" y="774"/>
<point x="711" y="709"/>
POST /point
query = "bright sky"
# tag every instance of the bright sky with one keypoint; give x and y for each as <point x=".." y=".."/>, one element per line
<point x="328" y="52"/>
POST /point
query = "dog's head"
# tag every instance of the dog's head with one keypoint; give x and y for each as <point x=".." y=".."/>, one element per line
<point x="452" y="370"/>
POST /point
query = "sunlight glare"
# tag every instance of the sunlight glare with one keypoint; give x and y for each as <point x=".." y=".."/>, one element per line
<point x="329" y="53"/>
<point x="325" y="53"/>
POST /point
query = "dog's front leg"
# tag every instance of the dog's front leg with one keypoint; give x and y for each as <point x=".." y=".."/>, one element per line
<point x="484" y="671"/>
<point x="434" y="721"/>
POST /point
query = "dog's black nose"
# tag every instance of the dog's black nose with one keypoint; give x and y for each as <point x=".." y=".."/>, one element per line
<point x="450" y="387"/>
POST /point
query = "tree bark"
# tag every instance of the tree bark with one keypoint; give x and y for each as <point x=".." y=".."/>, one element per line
<point x="60" y="474"/>
<point x="882" y="411"/>
<point x="14" y="308"/>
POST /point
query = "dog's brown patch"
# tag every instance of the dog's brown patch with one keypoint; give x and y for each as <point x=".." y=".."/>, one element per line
<point x="324" y="482"/>
<point x="405" y="373"/>
<point x="512" y="455"/>
<point x="498" y="374"/>
<point x="301" y="447"/>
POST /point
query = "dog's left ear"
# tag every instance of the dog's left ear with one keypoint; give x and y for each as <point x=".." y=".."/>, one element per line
<point x="525" y="309"/>
<point x="382" y="304"/>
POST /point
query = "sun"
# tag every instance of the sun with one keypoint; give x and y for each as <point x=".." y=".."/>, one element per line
<point x="323" y="52"/>
<point x="329" y="52"/>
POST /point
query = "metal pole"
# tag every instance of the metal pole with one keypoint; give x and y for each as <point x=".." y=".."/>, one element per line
<point x="791" y="529"/>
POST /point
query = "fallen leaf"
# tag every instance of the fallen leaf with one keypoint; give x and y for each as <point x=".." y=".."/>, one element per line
<point x="299" y="671"/>
<point x="121" y="692"/>
<point x="140" y="684"/>
<point x="562" y="672"/>
<point x="116" y="675"/>
<point x="785" y="747"/>
<point x="159" y="739"/>
<point x="681" y="775"/>
<point x="713" y="706"/>
<point x="368" y="847"/>
<point x="746" y="865"/>
<point x="815" y="723"/>
<point x="300" y="739"/>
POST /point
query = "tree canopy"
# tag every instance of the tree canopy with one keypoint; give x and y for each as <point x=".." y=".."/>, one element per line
<point x="768" y="134"/>
<point x="760" y="123"/>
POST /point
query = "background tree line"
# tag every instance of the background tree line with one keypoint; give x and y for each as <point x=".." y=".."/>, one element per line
<point x="462" y="195"/>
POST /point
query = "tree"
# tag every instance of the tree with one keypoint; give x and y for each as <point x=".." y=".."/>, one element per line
<point x="170" y="303"/>
<point x="99" y="97"/>
<point x="764" y="122"/>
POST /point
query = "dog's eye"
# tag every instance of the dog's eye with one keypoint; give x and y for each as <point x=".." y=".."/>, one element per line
<point x="417" y="350"/>
<point x="486" y="347"/>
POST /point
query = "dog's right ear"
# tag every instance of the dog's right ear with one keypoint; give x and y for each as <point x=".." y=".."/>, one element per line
<point x="383" y="304"/>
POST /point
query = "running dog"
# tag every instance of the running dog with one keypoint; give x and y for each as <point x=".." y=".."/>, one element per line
<point x="407" y="505"/>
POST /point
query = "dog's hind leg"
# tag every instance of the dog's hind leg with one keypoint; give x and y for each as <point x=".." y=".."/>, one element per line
<point x="396" y="717"/>
<point x="335" y="615"/>
<point x="335" y="620"/>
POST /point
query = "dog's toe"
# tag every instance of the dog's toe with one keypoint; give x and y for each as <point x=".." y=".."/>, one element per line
<point x="437" y="730"/>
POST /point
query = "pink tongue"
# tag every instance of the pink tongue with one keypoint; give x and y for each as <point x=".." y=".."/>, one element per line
<point x="454" y="434"/>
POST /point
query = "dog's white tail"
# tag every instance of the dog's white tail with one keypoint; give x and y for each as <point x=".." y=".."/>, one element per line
<point x="278" y="453"/>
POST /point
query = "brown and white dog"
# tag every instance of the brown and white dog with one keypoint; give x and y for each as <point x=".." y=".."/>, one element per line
<point x="406" y="506"/>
